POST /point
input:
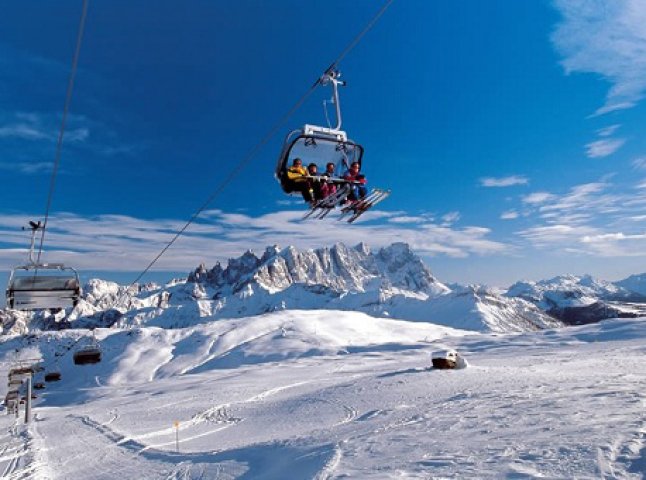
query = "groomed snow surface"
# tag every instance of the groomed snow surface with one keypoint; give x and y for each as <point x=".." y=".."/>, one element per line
<point x="331" y="394"/>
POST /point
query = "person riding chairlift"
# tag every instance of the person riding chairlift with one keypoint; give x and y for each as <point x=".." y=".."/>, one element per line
<point x="318" y="186"/>
<point x="359" y="190"/>
<point x="297" y="180"/>
<point x="329" y="188"/>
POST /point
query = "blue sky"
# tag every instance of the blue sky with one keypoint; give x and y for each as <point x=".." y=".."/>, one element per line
<point x="510" y="132"/>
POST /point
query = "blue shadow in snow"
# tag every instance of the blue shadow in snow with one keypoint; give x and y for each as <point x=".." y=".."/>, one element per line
<point x="405" y="372"/>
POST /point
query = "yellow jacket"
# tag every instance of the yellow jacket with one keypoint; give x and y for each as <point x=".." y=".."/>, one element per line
<point x="296" y="174"/>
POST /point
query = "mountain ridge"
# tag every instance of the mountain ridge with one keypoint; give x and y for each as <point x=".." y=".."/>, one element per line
<point x="392" y="282"/>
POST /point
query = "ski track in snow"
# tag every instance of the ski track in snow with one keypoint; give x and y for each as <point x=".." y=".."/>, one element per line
<point x="627" y="452"/>
<point x="328" y="469"/>
<point x="273" y="391"/>
<point x="16" y="451"/>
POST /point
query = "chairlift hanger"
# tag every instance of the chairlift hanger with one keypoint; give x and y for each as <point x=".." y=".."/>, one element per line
<point x="37" y="285"/>
<point x="40" y="286"/>
<point x="314" y="135"/>
<point x="323" y="145"/>
<point x="88" y="354"/>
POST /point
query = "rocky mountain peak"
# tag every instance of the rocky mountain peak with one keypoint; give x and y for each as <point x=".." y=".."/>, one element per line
<point x="339" y="267"/>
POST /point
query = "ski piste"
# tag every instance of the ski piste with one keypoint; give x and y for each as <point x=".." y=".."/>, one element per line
<point x="360" y="207"/>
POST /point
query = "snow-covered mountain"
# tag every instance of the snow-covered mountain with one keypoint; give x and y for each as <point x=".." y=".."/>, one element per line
<point x="391" y="282"/>
<point x="580" y="299"/>
<point x="340" y="268"/>
<point x="306" y="382"/>
<point x="565" y="291"/>
<point x="634" y="283"/>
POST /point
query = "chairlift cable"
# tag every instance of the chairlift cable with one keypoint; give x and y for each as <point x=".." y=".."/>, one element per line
<point x="254" y="151"/>
<point x="243" y="163"/>
<point x="358" y="38"/>
<point x="59" y="143"/>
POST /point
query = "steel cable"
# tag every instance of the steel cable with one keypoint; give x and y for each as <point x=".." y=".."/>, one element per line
<point x="61" y="133"/>
<point x="258" y="146"/>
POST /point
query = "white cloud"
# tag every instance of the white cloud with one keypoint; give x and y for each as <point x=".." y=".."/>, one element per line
<point x="408" y="219"/>
<point x="116" y="242"/>
<point x="581" y="199"/>
<point x="639" y="163"/>
<point x="604" y="147"/>
<point x="43" y="127"/>
<point x="38" y="129"/>
<point x="594" y="218"/>
<point x="504" y="181"/>
<point x="607" y="131"/>
<point x="509" y="215"/>
<point x="538" y="197"/>
<point x="26" y="167"/>
<point x="23" y="131"/>
<point x="548" y="235"/>
<point x="291" y="202"/>
<point x="450" y="218"/>
<point x="616" y="244"/>
<point x="642" y="185"/>
<point x="77" y="135"/>
<point x="605" y="37"/>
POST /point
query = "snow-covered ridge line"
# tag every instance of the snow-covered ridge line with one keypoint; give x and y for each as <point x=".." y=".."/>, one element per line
<point x="392" y="282"/>
<point x="339" y="268"/>
<point x="584" y="299"/>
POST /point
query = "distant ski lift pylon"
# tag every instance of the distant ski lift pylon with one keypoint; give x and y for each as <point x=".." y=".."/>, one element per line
<point x="38" y="286"/>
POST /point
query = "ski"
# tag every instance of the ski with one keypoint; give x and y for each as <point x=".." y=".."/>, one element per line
<point x="349" y="211"/>
<point x="358" y="204"/>
<point x="367" y="205"/>
<point x="322" y="207"/>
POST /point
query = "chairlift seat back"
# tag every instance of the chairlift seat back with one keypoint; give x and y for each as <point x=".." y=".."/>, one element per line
<point x="43" y="288"/>
<point x="52" y="376"/>
<point x="87" y="355"/>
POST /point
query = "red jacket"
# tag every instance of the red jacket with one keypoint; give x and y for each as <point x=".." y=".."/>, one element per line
<point x="358" y="177"/>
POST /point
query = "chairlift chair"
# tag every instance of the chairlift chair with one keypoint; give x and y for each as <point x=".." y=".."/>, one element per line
<point x="323" y="145"/>
<point x="53" y="376"/>
<point x="317" y="145"/>
<point x="88" y="354"/>
<point x="320" y="145"/>
<point x="38" y="286"/>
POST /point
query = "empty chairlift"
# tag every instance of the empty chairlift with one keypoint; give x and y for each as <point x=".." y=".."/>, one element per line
<point x="88" y="354"/>
<point x="53" y="376"/>
<point x="38" y="286"/>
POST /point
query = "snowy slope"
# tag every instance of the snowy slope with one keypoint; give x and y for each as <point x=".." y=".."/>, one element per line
<point x="304" y="395"/>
